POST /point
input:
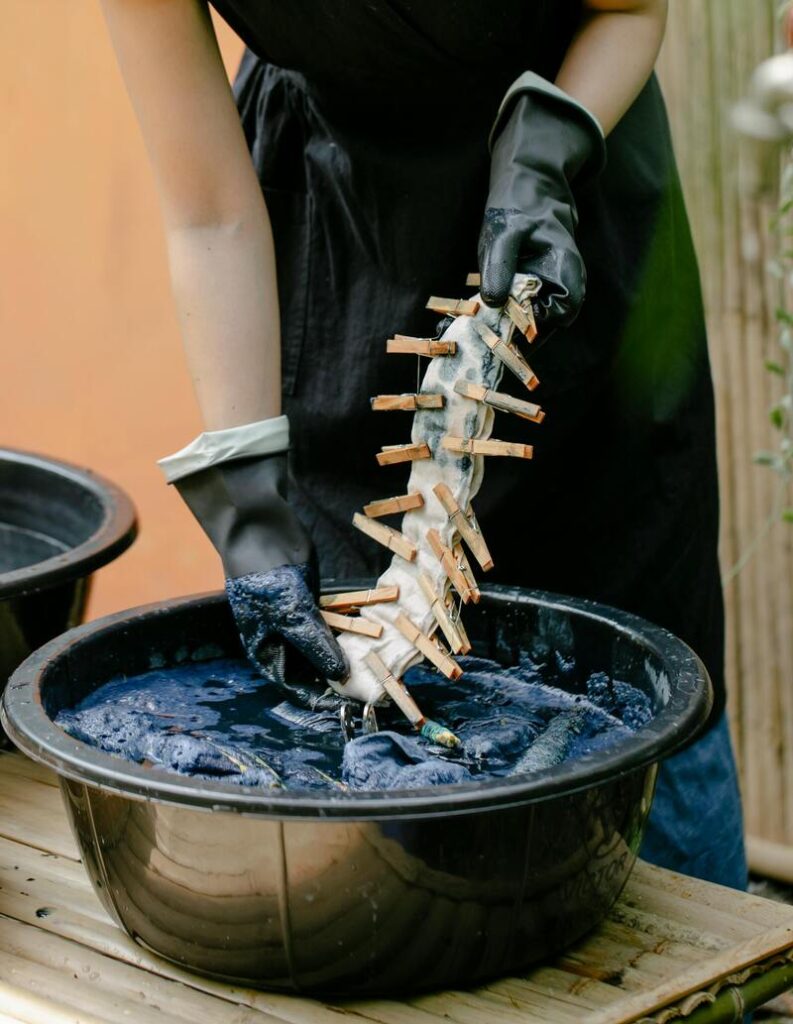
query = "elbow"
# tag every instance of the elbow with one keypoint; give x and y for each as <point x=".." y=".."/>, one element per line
<point x="227" y="218"/>
<point x="206" y="231"/>
<point x="225" y="203"/>
<point x="193" y="221"/>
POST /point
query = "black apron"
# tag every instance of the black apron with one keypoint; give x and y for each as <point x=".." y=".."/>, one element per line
<point x="368" y="122"/>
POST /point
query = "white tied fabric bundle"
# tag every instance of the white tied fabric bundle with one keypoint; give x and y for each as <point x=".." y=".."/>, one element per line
<point x="473" y="362"/>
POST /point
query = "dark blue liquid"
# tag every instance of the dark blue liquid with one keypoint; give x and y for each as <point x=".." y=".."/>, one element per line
<point x="220" y="720"/>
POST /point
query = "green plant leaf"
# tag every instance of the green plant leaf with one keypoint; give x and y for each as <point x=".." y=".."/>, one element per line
<point x="787" y="515"/>
<point x="773" y="367"/>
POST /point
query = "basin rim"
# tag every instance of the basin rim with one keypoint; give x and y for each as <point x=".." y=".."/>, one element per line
<point x="27" y="724"/>
<point x="112" y="537"/>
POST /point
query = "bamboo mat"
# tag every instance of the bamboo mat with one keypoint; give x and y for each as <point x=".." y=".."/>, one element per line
<point x="670" y="941"/>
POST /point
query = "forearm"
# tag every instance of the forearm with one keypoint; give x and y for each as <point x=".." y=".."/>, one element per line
<point x="613" y="55"/>
<point x="224" y="285"/>
<point x="218" y="233"/>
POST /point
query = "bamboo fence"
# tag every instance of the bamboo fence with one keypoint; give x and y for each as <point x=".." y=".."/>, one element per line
<point x="711" y="49"/>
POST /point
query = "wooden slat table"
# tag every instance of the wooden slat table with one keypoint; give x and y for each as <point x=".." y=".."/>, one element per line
<point x="669" y="942"/>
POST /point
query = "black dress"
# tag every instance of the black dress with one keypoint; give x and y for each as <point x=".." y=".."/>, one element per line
<point x="368" y="123"/>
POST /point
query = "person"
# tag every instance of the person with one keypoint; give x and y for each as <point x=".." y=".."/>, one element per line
<point x="371" y="154"/>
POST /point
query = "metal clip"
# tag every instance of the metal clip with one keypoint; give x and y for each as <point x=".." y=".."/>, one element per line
<point x="456" y="609"/>
<point x="347" y="721"/>
<point x="369" y="720"/>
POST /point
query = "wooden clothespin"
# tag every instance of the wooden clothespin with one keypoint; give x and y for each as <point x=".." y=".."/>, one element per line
<point x="395" y="689"/>
<point x="430" y="648"/>
<point x="408" y="402"/>
<point x="391" y="506"/>
<point x="466" y="526"/>
<point x="392" y="453"/>
<point x="348" y="624"/>
<point x="522" y="317"/>
<point x="385" y="535"/>
<point x="403" y="344"/>
<point x="508" y="355"/>
<point x="473" y="446"/>
<point x="398" y="693"/>
<point x="499" y="400"/>
<point x="442" y="617"/>
<point x="446" y="557"/>
<point x="453" y="307"/>
<point x="358" y="598"/>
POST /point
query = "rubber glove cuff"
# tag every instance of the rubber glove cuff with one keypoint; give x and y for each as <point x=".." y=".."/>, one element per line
<point x="531" y="82"/>
<point x="264" y="437"/>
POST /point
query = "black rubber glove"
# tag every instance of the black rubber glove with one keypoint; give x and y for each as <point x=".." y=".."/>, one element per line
<point x="269" y="562"/>
<point x="541" y="142"/>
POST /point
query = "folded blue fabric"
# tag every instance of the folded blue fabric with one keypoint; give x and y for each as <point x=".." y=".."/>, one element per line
<point x="220" y="720"/>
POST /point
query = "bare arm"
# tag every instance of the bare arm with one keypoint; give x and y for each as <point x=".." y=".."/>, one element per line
<point x="220" y="244"/>
<point x="612" y="55"/>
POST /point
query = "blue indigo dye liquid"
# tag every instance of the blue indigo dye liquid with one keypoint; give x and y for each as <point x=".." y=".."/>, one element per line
<point x="222" y="721"/>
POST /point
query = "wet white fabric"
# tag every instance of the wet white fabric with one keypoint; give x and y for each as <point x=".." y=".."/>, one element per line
<point x="265" y="437"/>
<point x="462" y="417"/>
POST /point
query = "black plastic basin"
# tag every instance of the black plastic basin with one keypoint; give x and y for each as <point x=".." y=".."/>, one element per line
<point x="366" y="893"/>
<point x="58" y="524"/>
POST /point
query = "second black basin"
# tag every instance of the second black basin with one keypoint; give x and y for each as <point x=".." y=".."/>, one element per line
<point x="58" y="524"/>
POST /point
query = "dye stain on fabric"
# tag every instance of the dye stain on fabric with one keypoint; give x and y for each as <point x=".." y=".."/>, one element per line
<point x="219" y="720"/>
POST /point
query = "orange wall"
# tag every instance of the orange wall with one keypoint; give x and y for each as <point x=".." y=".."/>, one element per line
<point x="91" y="367"/>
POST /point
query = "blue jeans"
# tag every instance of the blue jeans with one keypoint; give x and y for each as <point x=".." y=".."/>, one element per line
<point x="696" y="823"/>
